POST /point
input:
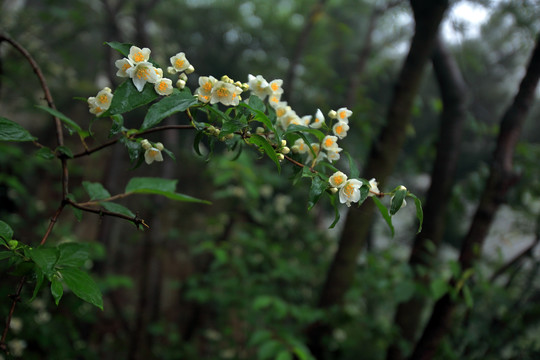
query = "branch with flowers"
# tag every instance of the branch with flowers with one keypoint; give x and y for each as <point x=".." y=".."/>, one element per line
<point x="218" y="111"/>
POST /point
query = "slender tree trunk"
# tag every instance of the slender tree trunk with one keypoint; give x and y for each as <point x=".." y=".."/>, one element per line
<point x="383" y="157"/>
<point x="300" y="46"/>
<point x="500" y="180"/>
<point x="454" y="97"/>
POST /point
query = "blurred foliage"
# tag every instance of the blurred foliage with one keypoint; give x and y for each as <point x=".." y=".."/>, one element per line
<point x="241" y="279"/>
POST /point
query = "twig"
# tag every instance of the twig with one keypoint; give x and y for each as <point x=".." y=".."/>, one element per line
<point x="135" y="220"/>
<point x="16" y="298"/>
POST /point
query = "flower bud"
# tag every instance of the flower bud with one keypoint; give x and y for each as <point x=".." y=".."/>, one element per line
<point x="182" y="76"/>
<point x="159" y="146"/>
<point x="280" y="157"/>
<point x="145" y="144"/>
<point x="171" y="70"/>
<point x="332" y="114"/>
<point x="259" y="130"/>
<point x="190" y="69"/>
<point x="283" y="142"/>
<point x="180" y="84"/>
<point x="285" y="150"/>
<point x="333" y="190"/>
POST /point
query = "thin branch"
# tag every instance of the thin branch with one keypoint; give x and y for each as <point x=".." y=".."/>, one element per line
<point x="136" y="220"/>
<point x="111" y="198"/>
<point x="52" y="222"/>
<point x="16" y="298"/>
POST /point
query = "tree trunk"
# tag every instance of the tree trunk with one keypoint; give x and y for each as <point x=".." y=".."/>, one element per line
<point x="383" y="157"/>
<point x="454" y="97"/>
<point x="500" y="180"/>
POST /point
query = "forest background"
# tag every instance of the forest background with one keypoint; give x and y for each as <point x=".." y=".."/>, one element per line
<point x="255" y="275"/>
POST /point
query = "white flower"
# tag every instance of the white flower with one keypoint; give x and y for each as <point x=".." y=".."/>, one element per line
<point x="179" y="62"/>
<point x="299" y="146"/>
<point x="319" y="154"/>
<point x="338" y="179"/>
<point x="16" y="324"/>
<point x="340" y="129"/>
<point x="373" y="187"/>
<point x="225" y="93"/>
<point x="164" y="87"/>
<point x="101" y="102"/>
<point x="333" y="155"/>
<point x="17" y="346"/>
<point x="123" y="65"/>
<point x="330" y="143"/>
<point x="138" y="55"/>
<point x="350" y="192"/>
<point x="306" y="119"/>
<point x="343" y="114"/>
<point x="275" y="86"/>
<point x="274" y="100"/>
<point x="204" y="91"/>
<point x="142" y="73"/>
<point x="318" y="121"/>
<point x="258" y="86"/>
<point x="152" y="154"/>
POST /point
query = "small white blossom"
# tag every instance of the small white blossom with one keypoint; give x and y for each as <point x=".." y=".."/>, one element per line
<point x="300" y="147"/>
<point x="101" y="102"/>
<point x="142" y="73"/>
<point x="350" y="192"/>
<point x="343" y="114"/>
<point x="333" y="155"/>
<point x="373" y="187"/>
<point x="225" y="93"/>
<point x="275" y="86"/>
<point x="123" y="65"/>
<point x="340" y="129"/>
<point x="179" y="62"/>
<point x="330" y="143"/>
<point x="152" y="154"/>
<point x="338" y="179"/>
<point x="259" y="86"/>
<point x="138" y="55"/>
<point x="204" y="91"/>
<point x="318" y="121"/>
<point x="164" y="86"/>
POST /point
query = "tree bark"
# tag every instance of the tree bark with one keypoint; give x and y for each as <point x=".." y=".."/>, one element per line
<point x="454" y="97"/>
<point x="500" y="180"/>
<point x="383" y="157"/>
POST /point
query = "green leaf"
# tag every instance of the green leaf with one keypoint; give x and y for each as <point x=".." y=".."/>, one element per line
<point x="95" y="190"/>
<point x="39" y="281"/>
<point x="333" y="201"/>
<point x="127" y="97"/>
<point x="232" y="125"/>
<point x="265" y="145"/>
<point x="397" y="201"/>
<point x="77" y="212"/>
<point x="384" y="212"/>
<point x="57" y="290"/>
<point x="6" y="254"/>
<point x="117" y="208"/>
<point x="159" y="186"/>
<point x="45" y="153"/>
<point x="169" y="105"/>
<point x="318" y="186"/>
<point x="65" y="151"/>
<point x="45" y="258"/>
<point x="469" y="301"/>
<point x="82" y="286"/>
<point x="438" y="287"/>
<point x="117" y="124"/>
<point x="197" y="141"/>
<point x="257" y="108"/>
<point x="134" y="150"/>
<point x="71" y="125"/>
<point x="353" y="168"/>
<point x="284" y="355"/>
<point x="5" y="231"/>
<point x="122" y="48"/>
<point x="364" y="194"/>
<point x="72" y="255"/>
<point x="269" y="349"/>
<point x="300" y="128"/>
<point x="419" y="212"/>
<point x="259" y="336"/>
<point x="11" y="131"/>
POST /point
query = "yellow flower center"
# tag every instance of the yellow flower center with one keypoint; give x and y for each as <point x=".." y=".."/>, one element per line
<point x="222" y="92"/>
<point x="339" y="129"/>
<point x="207" y="86"/>
<point x="329" y="142"/>
<point x="338" y="180"/>
<point x="162" y="86"/>
<point x="126" y="66"/>
<point x="143" y="73"/>
<point x="275" y="87"/>
<point x="138" y="56"/>
<point x="348" y="190"/>
<point x="342" y="115"/>
<point x="153" y="152"/>
<point x="103" y="99"/>
<point x="179" y="63"/>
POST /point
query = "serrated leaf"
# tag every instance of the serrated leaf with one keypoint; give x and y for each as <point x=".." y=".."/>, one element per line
<point x="318" y="186"/>
<point x="72" y="255"/>
<point x="65" y="151"/>
<point x="265" y="145"/>
<point x="6" y="232"/>
<point x="127" y="97"/>
<point x="72" y="125"/>
<point x="45" y="258"/>
<point x="176" y="102"/>
<point x="11" y="131"/>
<point x="45" y="153"/>
<point x="82" y="286"/>
<point x="117" y="208"/>
<point x="397" y="201"/>
<point x="57" y="290"/>
<point x="95" y="190"/>
<point x="384" y="212"/>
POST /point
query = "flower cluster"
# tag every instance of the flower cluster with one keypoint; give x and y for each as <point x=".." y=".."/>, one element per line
<point x="101" y="102"/>
<point x="152" y="152"/>
<point x="225" y="91"/>
<point x="349" y="189"/>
